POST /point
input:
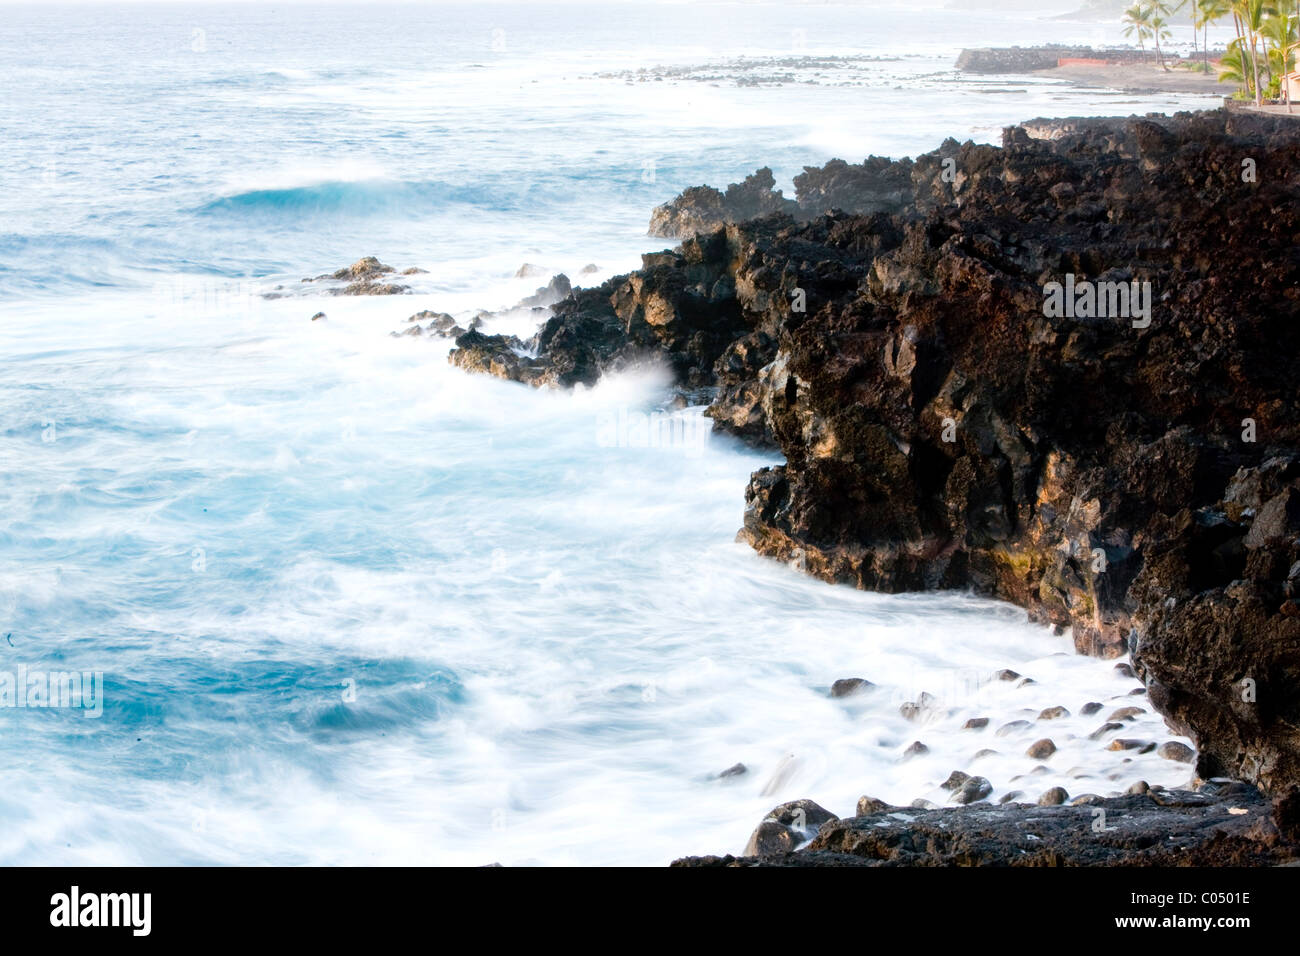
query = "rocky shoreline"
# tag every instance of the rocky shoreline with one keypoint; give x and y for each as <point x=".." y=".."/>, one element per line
<point x="1221" y="824"/>
<point x="1030" y="59"/>
<point x="1131" y="476"/>
<point x="1129" y="70"/>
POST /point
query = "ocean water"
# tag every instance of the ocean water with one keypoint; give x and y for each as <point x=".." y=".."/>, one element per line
<point x="352" y="606"/>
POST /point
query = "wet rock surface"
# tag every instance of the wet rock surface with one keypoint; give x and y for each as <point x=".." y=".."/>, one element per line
<point x="786" y="827"/>
<point x="366" y="276"/>
<point x="973" y="790"/>
<point x="1184" y="828"/>
<point x="849" y="686"/>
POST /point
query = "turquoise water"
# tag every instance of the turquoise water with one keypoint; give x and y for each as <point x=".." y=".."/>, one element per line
<point x="351" y="606"/>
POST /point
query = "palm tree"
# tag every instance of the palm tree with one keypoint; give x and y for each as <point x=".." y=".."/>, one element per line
<point x="1252" y="14"/>
<point x="1205" y="12"/>
<point x="1234" y="68"/>
<point x="1240" y="43"/>
<point x="1160" y="30"/>
<point x="1279" y="35"/>
<point x="1138" y="18"/>
<point x="1197" y="16"/>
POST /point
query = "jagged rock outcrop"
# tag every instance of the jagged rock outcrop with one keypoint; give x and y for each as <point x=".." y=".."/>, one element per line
<point x="877" y="184"/>
<point x="558" y="289"/>
<point x="1126" y="472"/>
<point x="439" y="324"/>
<point x="703" y="208"/>
<point x="675" y="310"/>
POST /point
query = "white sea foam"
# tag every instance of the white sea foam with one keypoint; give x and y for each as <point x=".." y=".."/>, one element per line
<point x="555" y="644"/>
<point x="301" y="174"/>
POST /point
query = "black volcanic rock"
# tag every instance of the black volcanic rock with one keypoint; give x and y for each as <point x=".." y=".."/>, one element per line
<point x="1136" y="482"/>
<point x="875" y="185"/>
<point x="367" y="268"/>
<point x="554" y="291"/>
<point x="363" y="278"/>
<point x="1029" y="59"/>
<point x="673" y="312"/>
<point x="849" y="686"/>
<point x="787" y="826"/>
<point x="703" y="208"/>
<point x="1181" y="828"/>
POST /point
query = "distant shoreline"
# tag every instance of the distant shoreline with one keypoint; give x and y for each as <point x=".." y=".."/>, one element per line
<point x="1123" y="69"/>
<point x="1139" y="78"/>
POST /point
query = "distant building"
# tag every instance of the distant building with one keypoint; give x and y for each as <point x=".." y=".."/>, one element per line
<point x="1291" y="87"/>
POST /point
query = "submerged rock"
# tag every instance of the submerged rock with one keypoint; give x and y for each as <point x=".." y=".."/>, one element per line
<point x="848" y="686"/>
<point x="1041" y="749"/>
<point x="973" y="790"/>
<point x="1015" y="727"/>
<point x="955" y="780"/>
<point x="439" y="322"/>
<point x="1107" y="728"/>
<point x="363" y="278"/>
<point x="1173" y="750"/>
<point x="1125" y="713"/>
<point x="364" y="269"/>
<point x="919" y="709"/>
<point x="1123" y="743"/>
